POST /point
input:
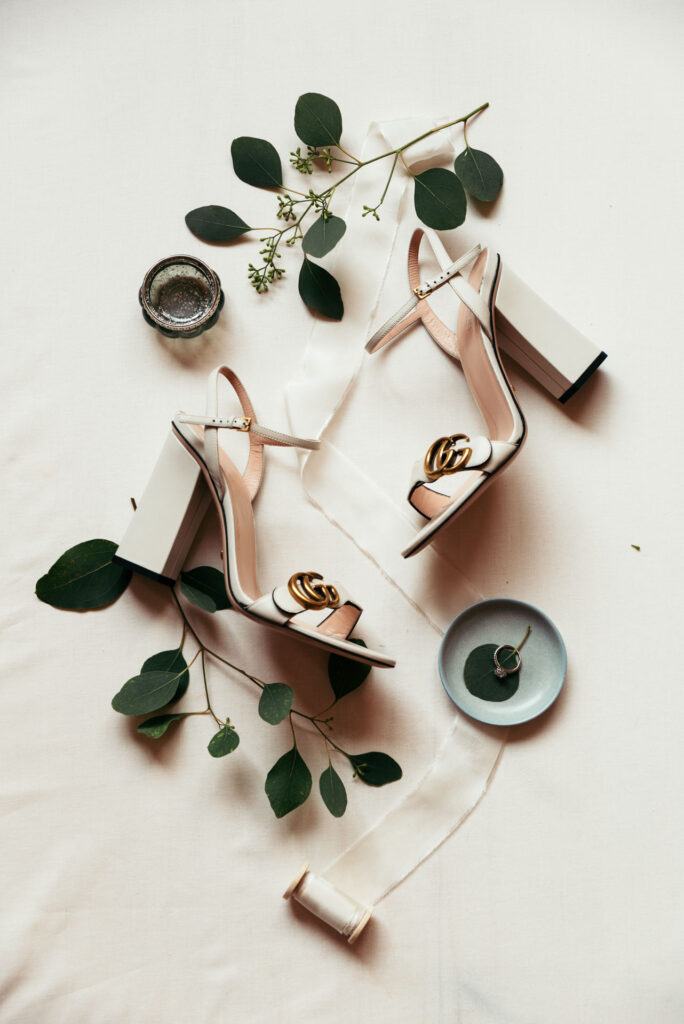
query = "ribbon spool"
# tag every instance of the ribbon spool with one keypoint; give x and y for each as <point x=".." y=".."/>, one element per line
<point x="320" y="896"/>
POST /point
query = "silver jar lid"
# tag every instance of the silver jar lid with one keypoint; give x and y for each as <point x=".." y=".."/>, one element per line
<point x="181" y="297"/>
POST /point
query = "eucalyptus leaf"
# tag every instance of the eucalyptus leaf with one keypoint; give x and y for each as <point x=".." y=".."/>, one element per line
<point x="147" y="692"/>
<point x="439" y="199"/>
<point x="479" y="174"/>
<point x="346" y="675"/>
<point x="170" y="661"/>
<point x="157" y="726"/>
<point x="317" y="120"/>
<point x="223" y="742"/>
<point x="288" y="783"/>
<point x="333" y="792"/>
<point x="256" y="162"/>
<point x="275" y="702"/>
<point x="323" y="236"/>
<point x="205" y="586"/>
<point x="215" y="224"/>
<point x="478" y="674"/>
<point x="84" y="578"/>
<point x="320" y="291"/>
<point x="375" y="768"/>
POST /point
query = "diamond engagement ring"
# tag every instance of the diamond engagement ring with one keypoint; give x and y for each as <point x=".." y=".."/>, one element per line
<point x="499" y="669"/>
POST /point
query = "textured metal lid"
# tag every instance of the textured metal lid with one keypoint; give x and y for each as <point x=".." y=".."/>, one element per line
<point x="181" y="296"/>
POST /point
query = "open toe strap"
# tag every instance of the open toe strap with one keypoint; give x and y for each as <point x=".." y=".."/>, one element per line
<point x="450" y="466"/>
<point x="212" y="422"/>
<point x="418" y="307"/>
<point x="309" y="602"/>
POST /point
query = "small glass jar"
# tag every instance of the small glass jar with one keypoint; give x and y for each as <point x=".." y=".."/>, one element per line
<point x="181" y="297"/>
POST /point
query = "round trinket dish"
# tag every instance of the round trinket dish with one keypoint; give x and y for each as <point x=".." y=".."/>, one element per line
<point x="181" y="297"/>
<point x="505" y="621"/>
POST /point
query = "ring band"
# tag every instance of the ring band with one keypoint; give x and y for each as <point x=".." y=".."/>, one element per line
<point x="500" y="670"/>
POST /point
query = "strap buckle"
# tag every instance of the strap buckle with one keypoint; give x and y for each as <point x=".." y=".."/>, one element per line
<point x="243" y="424"/>
<point x="421" y="290"/>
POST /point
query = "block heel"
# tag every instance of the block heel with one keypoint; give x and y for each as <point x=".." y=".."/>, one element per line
<point x="168" y="516"/>
<point x="539" y="340"/>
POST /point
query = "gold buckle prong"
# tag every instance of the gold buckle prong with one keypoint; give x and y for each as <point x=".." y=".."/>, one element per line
<point x="419" y="293"/>
<point x="246" y="423"/>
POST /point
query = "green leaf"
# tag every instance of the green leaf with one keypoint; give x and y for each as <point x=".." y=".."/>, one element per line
<point x="346" y="675"/>
<point x="323" y="236"/>
<point x="275" y="702"/>
<point x="439" y="199"/>
<point x="320" y="291"/>
<point x="375" y="768"/>
<point x="215" y="224"/>
<point x="478" y="674"/>
<point x="170" y="661"/>
<point x="256" y="162"/>
<point x="205" y="587"/>
<point x="288" y="783"/>
<point x="84" y="577"/>
<point x="147" y="692"/>
<point x="224" y="742"/>
<point x="317" y="120"/>
<point x="157" y="726"/>
<point x="479" y="174"/>
<point x="333" y="792"/>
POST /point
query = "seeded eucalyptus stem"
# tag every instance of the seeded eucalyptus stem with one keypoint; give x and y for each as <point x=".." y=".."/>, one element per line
<point x="269" y="272"/>
<point x="440" y="196"/>
<point x="316" y="720"/>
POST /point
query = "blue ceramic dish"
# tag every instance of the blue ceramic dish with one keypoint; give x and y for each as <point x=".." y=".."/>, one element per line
<point x="504" y="621"/>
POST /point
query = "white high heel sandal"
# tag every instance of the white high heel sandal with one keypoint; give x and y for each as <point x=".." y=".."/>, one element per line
<point x="457" y="468"/>
<point x="192" y="471"/>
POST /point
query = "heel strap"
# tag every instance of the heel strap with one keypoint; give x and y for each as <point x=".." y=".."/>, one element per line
<point x="418" y="308"/>
<point x="258" y="434"/>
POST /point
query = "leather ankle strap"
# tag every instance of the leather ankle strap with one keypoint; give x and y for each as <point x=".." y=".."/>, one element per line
<point x="418" y="308"/>
<point x="258" y="435"/>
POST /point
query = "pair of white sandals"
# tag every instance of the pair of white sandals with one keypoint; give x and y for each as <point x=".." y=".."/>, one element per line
<point x="194" y="470"/>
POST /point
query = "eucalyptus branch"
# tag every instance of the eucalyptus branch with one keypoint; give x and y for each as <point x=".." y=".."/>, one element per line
<point x="439" y="195"/>
<point x="204" y="650"/>
<point x="164" y="678"/>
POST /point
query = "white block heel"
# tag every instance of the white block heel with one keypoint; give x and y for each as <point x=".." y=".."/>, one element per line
<point x="541" y="341"/>
<point x="168" y="516"/>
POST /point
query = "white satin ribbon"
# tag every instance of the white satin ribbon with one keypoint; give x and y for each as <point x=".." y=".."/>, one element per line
<point x="381" y="525"/>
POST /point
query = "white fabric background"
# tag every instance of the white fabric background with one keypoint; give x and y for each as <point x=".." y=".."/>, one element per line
<point x="142" y="883"/>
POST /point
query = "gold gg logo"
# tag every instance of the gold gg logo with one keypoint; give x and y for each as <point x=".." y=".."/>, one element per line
<point x="446" y="456"/>
<point x="310" y="594"/>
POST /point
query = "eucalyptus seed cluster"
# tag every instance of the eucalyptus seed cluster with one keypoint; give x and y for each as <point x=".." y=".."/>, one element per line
<point x="261" y="277"/>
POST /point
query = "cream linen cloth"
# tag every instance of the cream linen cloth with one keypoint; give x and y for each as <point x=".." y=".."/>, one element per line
<point x="141" y="883"/>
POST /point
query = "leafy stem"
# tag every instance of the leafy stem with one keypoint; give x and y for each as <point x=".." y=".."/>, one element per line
<point x="206" y="689"/>
<point x="203" y="650"/>
<point x="86" y="577"/>
<point x="517" y="649"/>
<point x="439" y="196"/>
